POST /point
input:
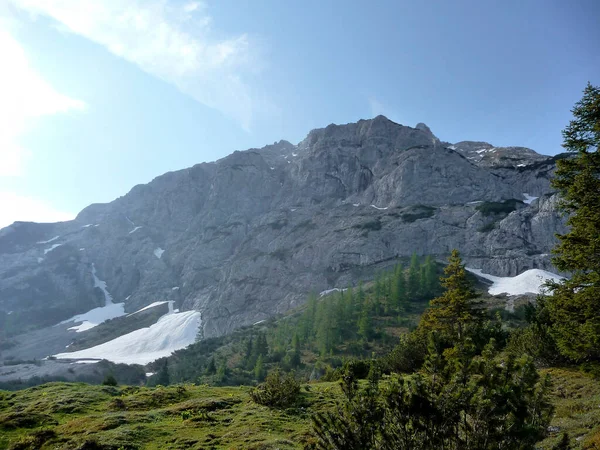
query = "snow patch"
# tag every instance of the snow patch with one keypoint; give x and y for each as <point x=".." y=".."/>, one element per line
<point x="49" y="240"/>
<point x="355" y="204"/>
<point x="134" y="230"/>
<point x="175" y="288"/>
<point x="452" y="147"/>
<point x="329" y="291"/>
<point x="81" y="249"/>
<point x="129" y="220"/>
<point x="87" y="361"/>
<point x="48" y="250"/>
<point x="151" y="305"/>
<point x="149" y="374"/>
<point x="521" y="165"/>
<point x="88" y="225"/>
<point x="377" y="207"/>
<point x="529" y="198"/>
<point x="475" y="202"/>
<point x="171" y="332"/>
<point x="158" y="252"/>
<point x="259" y="322"/>
<point x="40" y="259"/>
<point x="529" y="282"/>
<point x="96" y="316"/>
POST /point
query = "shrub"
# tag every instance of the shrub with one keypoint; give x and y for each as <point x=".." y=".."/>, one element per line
<point x="278" y="390"/>
<point x="109" y="380"/>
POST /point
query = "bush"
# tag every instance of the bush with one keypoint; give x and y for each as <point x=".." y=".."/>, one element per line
<point x="278" y="390"/>
<point x="109" y="380"/>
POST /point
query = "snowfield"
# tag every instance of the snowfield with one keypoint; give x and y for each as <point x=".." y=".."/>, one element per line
<point x="173" y="331"/>
<point x="96" y="316"/>
<point x="529" y="282"/>
<point x="158" y="252"/>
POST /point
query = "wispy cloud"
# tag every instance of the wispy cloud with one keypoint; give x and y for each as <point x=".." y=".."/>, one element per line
<point x="172" y="41"/>
<point x="24" y="97"/>
<point x="28" y="209"/>
<point x="377" y="108"/>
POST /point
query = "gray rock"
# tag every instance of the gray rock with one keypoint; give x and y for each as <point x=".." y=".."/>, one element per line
<point x="250" y="235"/>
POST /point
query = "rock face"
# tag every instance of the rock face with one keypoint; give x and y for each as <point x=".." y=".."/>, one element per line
<point x="250" y="235"/>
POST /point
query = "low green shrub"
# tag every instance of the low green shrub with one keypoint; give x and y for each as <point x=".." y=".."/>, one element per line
<point x="278" y="390"/>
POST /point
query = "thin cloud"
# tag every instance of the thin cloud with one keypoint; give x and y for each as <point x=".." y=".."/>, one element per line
<point x="25" y="97"/>
<point x="378" y="108"/>
<point x="173" y="42"/>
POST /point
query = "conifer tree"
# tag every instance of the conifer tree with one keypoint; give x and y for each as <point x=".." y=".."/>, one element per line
<point x="414" y="277"/>
<point x="575" y="302"/>
<point x="259" y="369"/>
<point x="211" y="367"/>
<point x="458" y="306"/>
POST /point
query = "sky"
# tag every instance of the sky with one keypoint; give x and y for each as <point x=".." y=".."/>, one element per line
<point x="98" y="96"/>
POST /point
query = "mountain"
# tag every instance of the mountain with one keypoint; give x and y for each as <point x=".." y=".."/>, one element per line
<point x="248" y="236"/>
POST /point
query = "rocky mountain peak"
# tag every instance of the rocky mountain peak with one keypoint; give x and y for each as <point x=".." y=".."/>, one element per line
<point x="251" y="234"/>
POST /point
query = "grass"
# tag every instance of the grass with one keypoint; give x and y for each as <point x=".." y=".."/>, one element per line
<point x="576" y="398"/>
<point x="80" y="416"/>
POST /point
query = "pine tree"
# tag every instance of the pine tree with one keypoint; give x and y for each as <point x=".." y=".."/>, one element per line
<point x="399" y="288"/>
<point x="429" y="279"/>
<point x="259" y="369"/>
<point x="457" y="307"/>
<point x="575" y="302"/>
<point x="414" y="277"/>
<point x="211" y="367"/>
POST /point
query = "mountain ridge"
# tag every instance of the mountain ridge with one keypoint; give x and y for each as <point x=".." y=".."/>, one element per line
<point x="248" y="235"/>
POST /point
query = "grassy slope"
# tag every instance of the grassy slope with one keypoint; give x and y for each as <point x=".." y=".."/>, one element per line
<point x="220" y="417"/>
<point x="155" y="418"/>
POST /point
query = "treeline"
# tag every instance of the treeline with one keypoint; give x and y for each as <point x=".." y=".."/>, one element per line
<point x="355" y="322"/>
<point x="447" y="385"/>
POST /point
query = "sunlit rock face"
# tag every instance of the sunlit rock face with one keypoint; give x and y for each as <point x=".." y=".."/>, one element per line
<point x="250" y="235"/>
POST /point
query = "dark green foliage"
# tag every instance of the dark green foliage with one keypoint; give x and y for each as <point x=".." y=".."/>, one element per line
<point x="417" y="212"/>
<point x="457" y="401"/>
<point x="211" y="368"/>
<point x="360" y="322"/>
<point x="278" y="391"/>
<point x="504" y="207"/>
<point x="110" y="380"/>
<point x="564" y="443"/>
<point x="573" y="307"/>
<point x="535" y="339"/>
<point x="458" y="308"/>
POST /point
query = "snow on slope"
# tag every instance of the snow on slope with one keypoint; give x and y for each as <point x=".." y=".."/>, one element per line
<point x="529" y="198"/>
<point x="48" y="250"/>
<point x="48" y="241"/>
<point x="173" y="331"/>
<point x="529" y="282"/>
<point x="158" y="252"/>
<point x="98" y="315"/>
<point x="151" y="305"/>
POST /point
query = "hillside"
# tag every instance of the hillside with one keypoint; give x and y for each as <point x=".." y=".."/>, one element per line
<point x="69" y="416"/>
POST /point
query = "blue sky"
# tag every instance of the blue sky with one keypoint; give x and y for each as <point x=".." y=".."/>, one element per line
<point x="98" y="96"/>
